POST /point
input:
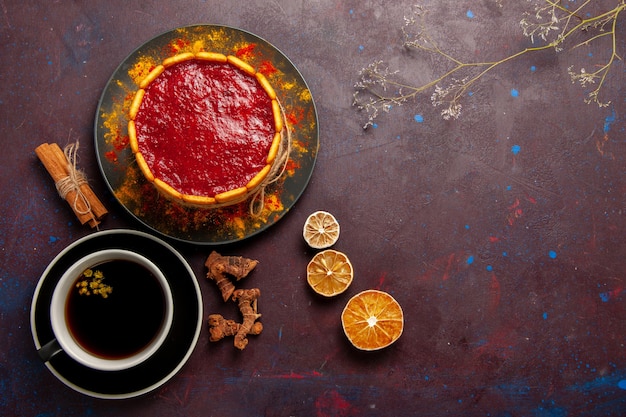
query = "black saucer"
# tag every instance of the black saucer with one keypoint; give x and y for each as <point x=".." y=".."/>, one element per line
<point x="176" y="349"/>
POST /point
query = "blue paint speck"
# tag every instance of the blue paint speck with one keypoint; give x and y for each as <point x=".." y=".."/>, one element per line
<point x="552" y="254"/>
<point x="361" y="47"/>
<point x="419" y="118"/>
<point x="515" y="149"/>
<point x="514" y="92"/>
<point x="608" y="121"/>
<point x="471" y="93"/>
<point x="605" y="297"/>
<point x="622" y="384"/>
<point x="550" y="411"/>
<point x="470" y="260"/>
<point x="467" y="226"/>
<point x="545" y="316"/>
<point x="505" y="254"/>
<point x="470" y="14"/>
<point x="489" y="268"/>
<point x="533" y="68"/>
<point x="53" y="239"/>
<point x="509" y="188"/>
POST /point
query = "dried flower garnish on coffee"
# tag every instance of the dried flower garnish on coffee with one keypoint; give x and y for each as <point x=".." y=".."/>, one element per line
<point x="91" y="283"/>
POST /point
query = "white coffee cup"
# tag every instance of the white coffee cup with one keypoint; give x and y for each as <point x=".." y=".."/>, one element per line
<point x="65" y="339"/>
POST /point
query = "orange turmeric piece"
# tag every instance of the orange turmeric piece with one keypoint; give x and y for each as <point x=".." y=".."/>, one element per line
<point x="247" y="301"/>
<point x="222" y="269"/>
<point x="220" y="328"/>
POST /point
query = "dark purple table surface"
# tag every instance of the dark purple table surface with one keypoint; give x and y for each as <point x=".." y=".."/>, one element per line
<point x="501" y="234"/>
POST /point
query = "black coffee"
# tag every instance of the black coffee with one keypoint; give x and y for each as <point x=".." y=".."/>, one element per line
<point x="115" y="309"/>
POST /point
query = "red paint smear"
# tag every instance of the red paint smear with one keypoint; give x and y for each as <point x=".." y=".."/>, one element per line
<point x="446" y="266"/>
<point x="331" y="403"/>
<point x="290" y="375"/>
<point x="494" y="289"/>
<point x="615" y="292"/>
<point x="381" y="281"/>
<point x="293" y="375"/>
<point x="494" y="239"/>
<point x="515" y="204"/>
<point x="499" y="343"/>
<point x="246" y="51"/>
<point x="514" y="216"/>
<point x="516" y="212"/>
<point x="267" y="68"/>
<point x="446" y="272"/>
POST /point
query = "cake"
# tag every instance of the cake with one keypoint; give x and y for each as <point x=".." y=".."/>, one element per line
<point x="206" y="129"/>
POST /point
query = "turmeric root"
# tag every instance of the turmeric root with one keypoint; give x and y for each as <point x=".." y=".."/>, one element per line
<point x="222" y="268"/>
<point x="220" y="328"/>
<point x="247" y="301"/>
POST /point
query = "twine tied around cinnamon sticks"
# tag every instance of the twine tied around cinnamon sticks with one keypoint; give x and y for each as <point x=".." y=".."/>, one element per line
<point x="71" y="183"/>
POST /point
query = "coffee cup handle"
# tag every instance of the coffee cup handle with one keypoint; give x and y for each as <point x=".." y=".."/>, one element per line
<point x="47" y="351"/>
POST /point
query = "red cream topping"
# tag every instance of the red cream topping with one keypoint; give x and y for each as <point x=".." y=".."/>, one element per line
<point x="205" y="127"/>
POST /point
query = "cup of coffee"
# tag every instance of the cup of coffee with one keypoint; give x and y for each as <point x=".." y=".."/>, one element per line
<point x="111" y="310"/>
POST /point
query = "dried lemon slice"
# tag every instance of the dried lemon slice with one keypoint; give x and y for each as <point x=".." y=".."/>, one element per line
<point x="321" y="230"/>
<point x="372" y="320"/>
<point x="329" y="273"/>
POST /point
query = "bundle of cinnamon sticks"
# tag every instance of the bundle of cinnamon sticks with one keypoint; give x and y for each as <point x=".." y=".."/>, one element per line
<point x="81" y="198"/>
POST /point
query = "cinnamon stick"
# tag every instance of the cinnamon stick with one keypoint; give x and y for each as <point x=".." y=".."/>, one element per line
<point x="96" y="205"/>
<point x="82" y="200"/>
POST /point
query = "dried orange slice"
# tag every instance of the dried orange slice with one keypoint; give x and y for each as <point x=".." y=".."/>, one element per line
<point x="321" y="230"/>
<point x="372" y="320"/>
<point x="329" y="273"/>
